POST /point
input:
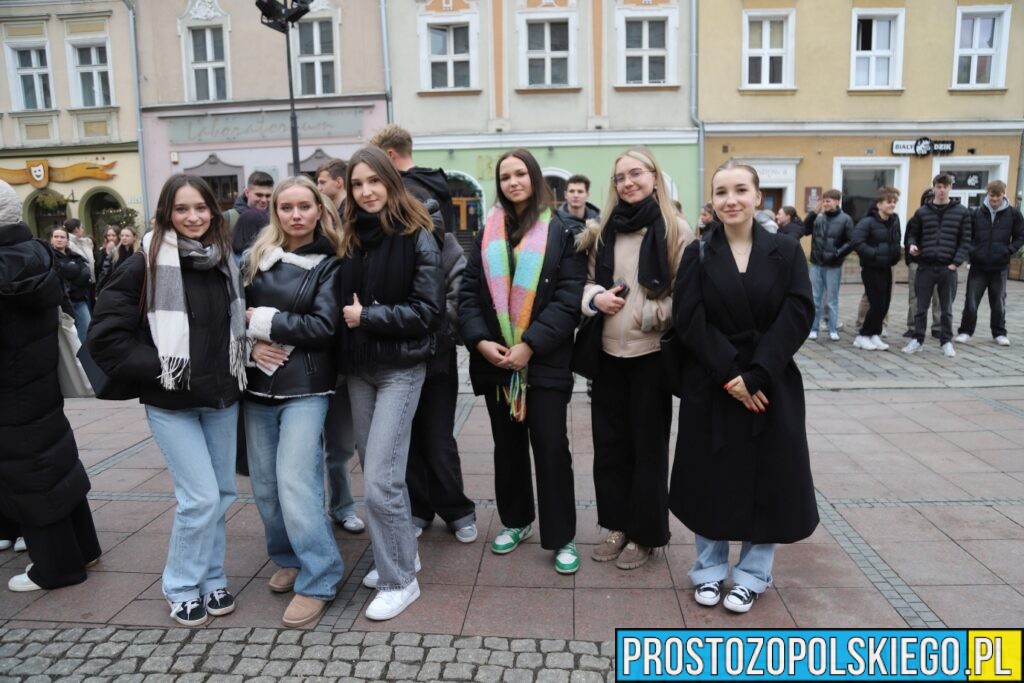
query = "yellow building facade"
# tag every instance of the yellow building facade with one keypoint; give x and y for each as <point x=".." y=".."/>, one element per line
<point x="856" y="94"/>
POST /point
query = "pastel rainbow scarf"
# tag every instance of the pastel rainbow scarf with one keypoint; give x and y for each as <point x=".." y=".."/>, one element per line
<point x="513" y="295"/>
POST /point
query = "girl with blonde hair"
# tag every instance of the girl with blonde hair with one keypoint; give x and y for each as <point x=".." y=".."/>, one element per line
<point x="633" y="257"/>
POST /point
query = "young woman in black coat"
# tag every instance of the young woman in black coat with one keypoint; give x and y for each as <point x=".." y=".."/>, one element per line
<point x="742" y="306"/>
<point x="74" y="271"/>
<point x="519" y="360"/>
<point x="116" y="257"/>
<point x="43" y="485"/>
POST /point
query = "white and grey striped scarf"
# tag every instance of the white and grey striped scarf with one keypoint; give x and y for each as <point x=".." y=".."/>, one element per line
<point x="167" y="314"/>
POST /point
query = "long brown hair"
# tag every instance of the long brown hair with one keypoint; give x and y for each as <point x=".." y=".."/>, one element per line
<point x="219" y="233"/>
<point x="516" y="225"/>
<point x="401" y="210"/>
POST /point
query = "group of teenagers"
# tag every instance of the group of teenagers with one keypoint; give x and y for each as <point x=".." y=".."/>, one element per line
<point x="377" y="294"/>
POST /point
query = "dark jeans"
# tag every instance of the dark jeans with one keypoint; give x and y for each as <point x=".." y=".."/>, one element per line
<point x="545" y="428"/>
<point x="60" y="551"/>
<point x="434" y="472"/>
<point x="878" y="287"/>
<point x="931" y="277"/>
<point x="631" y="413"/>
<point x="978" y="281"/>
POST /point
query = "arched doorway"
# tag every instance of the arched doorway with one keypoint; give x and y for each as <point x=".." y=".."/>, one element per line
<point x="46" y="210"/>
<point x="98" y="208"/>
<point x="557" y="180"/>
<point x="468" y="200"/>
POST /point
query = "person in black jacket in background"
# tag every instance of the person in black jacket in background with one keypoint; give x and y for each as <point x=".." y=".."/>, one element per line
<point x="939" y="236"/>
<point x="392" y="293"/>
<point x="126" y="246"/>
<point x="74" y="271"/>
<point x="998" y="235"/>
<point x="876" y="238"/>
<point x="831" y="230"/>
<point x="187" y="358"/>
<point x="520" y="360"/>
<point x="293" y="313"/>
<point x="43" y="485"/>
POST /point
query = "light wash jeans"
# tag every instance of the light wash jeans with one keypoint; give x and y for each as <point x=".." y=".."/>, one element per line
<point x="287" y="473"/>
<point x="384" y="402"/>
<point x="199" y="445"/>
<point x="825" y="288"/>
<point x="754" y="570"/>
<point x="339" y="447"/>
<point x="80" y="312"/>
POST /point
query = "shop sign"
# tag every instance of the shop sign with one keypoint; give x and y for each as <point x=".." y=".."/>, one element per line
<point x="922" y="147"/>
<point x="38" y="173"/>
<point x="265" y="126"/>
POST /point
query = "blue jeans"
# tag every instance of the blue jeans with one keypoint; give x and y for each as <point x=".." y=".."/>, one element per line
<point x="339" y="447"/>
<point x="287" y="473"/>
<point x="80" y="312"/>
<point x="825" y="287"/>
<point x="384" y="402"/>
<point x="199" y="445"/>
<point x="754" y="570"/>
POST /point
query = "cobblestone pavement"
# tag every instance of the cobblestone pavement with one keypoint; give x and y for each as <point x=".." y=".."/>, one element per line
<point x="918" y="464"/>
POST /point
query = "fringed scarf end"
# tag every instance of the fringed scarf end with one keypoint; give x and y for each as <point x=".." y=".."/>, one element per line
<point x="174" y="373"/>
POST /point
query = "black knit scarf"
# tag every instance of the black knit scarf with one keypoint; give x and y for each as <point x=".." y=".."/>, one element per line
<point x="654" y="272"/>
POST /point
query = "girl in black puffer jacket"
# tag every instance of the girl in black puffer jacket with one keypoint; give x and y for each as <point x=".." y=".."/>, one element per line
<point x="876" y="239"/>
<point x="291" y="277"/>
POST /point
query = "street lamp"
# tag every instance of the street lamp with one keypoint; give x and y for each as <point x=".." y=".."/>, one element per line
<point x="279" y="15"/>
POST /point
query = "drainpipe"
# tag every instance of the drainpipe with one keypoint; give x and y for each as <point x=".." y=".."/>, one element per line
<point x="1020" y="174"/>
<point x="138" y="110"/>
<point x="694" y="117"/>
<point x="387" y="59"/>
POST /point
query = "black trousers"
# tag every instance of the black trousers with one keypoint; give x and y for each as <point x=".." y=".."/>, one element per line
<point x="60" y="551"/>
<point x="545" y="429"/>
<point x="9" y="529"/>
<point x="434" y="472"/>
<point x="878" y="287"/>
<point x="931" y="277"/>
<point x="978" y="281"/>
<point x="631" y="413"/>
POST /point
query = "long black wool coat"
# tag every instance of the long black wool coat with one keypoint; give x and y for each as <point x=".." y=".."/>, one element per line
<point x="739" y="475"/>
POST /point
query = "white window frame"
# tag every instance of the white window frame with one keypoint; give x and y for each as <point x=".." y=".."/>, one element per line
<point x="1000" y="49"/>
<point x="450" y="19"/>
<point x="524" y="19"/>
<point x="671" y="18"/>
<point x="318" y="59"/>
<point x="15" y="73"/>
<point x="73" y="44"/>
<point x="210" y="66"/>
<point x="788" y="17"/>
<point x="901" y="178"/>
<point x="895" y="52"/>
<point x="999" y="165"/>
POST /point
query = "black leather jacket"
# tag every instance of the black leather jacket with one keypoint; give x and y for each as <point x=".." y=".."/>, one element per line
<point x="295" y="295"/>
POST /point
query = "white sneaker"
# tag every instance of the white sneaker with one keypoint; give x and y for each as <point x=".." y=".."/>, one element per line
<point x="879" y="344"/>
<point x="353" y="524"/>
<point x="373" y="576"/>
<point x="913" y="347"/>
<point x="862" y="342"/>
<point x="885" y="332"/>
<point x="389" y="604"/>
<point x="22" y="584"/>
<point x="5" y="544"/>
<point x="834" y="336"/>
<point x="466" y="534"/>
<point x="19" y="545"/>
<point x="947" y="350"/>
<point x="813" y="334"/>
<point x="1003" y="340"/>
<point x="962" y="337"/>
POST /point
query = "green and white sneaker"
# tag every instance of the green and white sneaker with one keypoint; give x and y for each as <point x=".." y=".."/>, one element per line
<point x="567" y="560"/>
<point x="510" y="538"/>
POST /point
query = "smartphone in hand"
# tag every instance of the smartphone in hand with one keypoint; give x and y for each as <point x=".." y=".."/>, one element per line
<point x="625" y="288"/>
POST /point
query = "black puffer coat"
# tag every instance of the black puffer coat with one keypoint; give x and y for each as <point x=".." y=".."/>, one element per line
<point x="74" y="271"/>
<point x="877" y="241"/>
<point x="41" y="477"/>
<point x="553" y="321"/>
<point x="120" y="342"/>
<point x="996" y="238"/>
<point x="942" y="232"/>
<point x="831" y="238"/>
<point x="295" y="296"/>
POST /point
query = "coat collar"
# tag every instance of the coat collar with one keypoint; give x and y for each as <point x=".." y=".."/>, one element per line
<point x="720" y="267"/>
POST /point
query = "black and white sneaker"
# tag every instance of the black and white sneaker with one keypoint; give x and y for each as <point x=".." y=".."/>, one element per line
<point x="740" y="599"/>
<point x="708" y="593"/>
<point x="219" y="602"/>
<point x="189" y="612"/>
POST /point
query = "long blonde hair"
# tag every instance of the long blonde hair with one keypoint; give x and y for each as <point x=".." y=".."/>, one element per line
<point x="117" y="247"/>
<point x="669" y="214"/>
<point x="273" y="235"/>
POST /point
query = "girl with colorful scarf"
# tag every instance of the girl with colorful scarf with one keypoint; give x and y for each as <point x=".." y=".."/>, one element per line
<point x="518" y="311"/>
<point x="172" y="321"/>
<point x="633" y="256"/>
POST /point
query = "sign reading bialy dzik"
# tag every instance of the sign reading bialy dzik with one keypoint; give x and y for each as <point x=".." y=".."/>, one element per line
<point x="922" y="147"/>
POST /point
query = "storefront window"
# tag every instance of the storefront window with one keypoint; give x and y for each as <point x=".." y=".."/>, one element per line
<point x="860" y="188"/>
<point x="969" y="184"/>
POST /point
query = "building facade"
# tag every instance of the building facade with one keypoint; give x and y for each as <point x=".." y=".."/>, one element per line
<point x="68" y="132"/>
<point x="217" y="104"/>
<point x="574" y="81"/>
<point x="859" y="94"/>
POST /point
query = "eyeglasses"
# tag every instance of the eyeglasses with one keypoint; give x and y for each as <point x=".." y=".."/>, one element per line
<point x="633" y="175"/>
